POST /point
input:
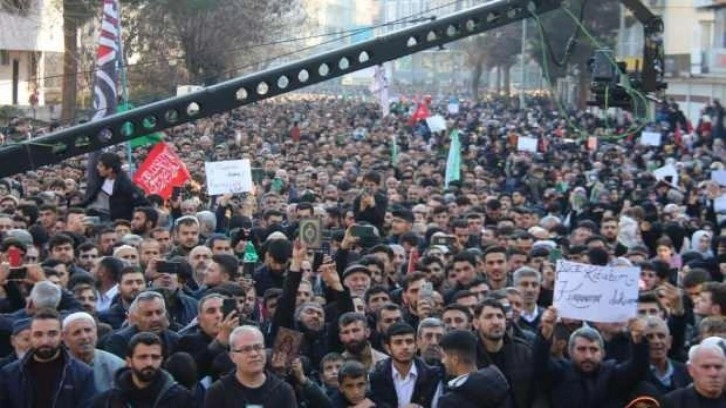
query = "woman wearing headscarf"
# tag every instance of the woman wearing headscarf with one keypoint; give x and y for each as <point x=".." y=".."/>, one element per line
<point x="701" y="243"/>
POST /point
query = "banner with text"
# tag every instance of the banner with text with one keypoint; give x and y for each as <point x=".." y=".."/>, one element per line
<point x="601" y="294"/>
<point x="228" y="177"/>
<point x="161" y="172"/>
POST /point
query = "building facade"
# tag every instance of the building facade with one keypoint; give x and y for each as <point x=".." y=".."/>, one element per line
<point x="31" y="49"/>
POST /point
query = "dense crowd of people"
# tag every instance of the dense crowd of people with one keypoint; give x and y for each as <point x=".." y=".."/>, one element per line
<point x="424" y="292"/>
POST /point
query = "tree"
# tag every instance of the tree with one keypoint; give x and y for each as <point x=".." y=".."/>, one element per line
<point x="76" y="13"/>
<point x="504" y="49"/>
<point x="494" y="49"/>
<point x="477" y="59"/>
<point x="213" y="36"/>
<point x="600" y="18"/>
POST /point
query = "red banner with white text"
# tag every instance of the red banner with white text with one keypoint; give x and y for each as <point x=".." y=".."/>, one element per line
<point x="161" y="172"/>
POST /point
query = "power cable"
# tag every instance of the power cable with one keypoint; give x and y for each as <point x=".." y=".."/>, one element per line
<point x="403" y="20"/>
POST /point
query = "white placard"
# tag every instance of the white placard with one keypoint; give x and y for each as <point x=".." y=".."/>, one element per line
<point x="667" y="171"/>
<point x="453" y="108"/>
<point x="228" y="177"/>
<point x="527" y="144"/>
<point x="719" y="176"/>
<point x="650" y="138"/>
<point x="719" y="204"/>
<point x="599" y="294"/>
<point x="436" y="123"/>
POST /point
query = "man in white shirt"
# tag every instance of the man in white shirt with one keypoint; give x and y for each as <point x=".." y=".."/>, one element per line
<point x="404" y="380"/>
<point x="106" y="273"/>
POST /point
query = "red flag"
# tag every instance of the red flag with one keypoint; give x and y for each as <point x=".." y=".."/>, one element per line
<point x="413" y="257"/>
<point x="678" y="136"/>
<point x="161" y="172"/>
<point x="422" y="112"/>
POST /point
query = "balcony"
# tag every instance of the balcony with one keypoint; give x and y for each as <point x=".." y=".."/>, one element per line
<point x="714" y="61"/>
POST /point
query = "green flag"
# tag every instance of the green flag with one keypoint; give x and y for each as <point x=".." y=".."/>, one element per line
<point x="394" y="149"/>
<point x="250" y="255"/>
<point x="150" y="139"/>
<point x="453" y="163"/>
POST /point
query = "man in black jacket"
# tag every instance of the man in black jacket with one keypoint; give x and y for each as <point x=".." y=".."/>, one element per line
<point x="371" y="205"/>
<point x="586" y="380"/>
<point x="249" y="384"/>
<point x="130" y="282"/>
<point x="510" y="354"/>
<point x="209" y="344"/>
<point x="147" y="313"/>
<point x="707" y="366"/>
<point x="470" y="388"/>
<point x="404" y="379"/>
<point x="309" y="318"/>
<point x="47" y="376"/>
<point x="111" y="193"/>
<point x="143" y="382"/>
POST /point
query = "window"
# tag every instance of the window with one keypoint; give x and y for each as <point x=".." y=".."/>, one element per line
<point x="4" y="57"/>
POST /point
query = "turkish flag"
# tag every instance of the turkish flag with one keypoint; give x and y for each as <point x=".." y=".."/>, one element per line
<point x="161" y="172"/>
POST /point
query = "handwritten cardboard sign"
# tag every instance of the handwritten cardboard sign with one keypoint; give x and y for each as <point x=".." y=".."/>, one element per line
<point x="527" y="144"/>
<point x="436" y="123"/>
<point x="601" y="294"/>
<point x="228" y="177"/>
<point x="651" y="138"/>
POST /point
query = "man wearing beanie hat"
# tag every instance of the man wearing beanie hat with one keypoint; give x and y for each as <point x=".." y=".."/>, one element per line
<point x="19" y="340"/>
<point x="400" y="224"/>
<point x="357" y="278"/>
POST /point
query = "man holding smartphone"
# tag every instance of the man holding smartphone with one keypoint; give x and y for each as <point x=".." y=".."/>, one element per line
<point x="371" y="205"/>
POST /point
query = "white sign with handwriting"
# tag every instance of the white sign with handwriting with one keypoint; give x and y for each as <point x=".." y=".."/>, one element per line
<point x="601" y="294"/>
<point x="228" y="177"/>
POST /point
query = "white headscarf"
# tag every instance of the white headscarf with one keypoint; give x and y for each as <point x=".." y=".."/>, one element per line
<point x="696" y="238"/>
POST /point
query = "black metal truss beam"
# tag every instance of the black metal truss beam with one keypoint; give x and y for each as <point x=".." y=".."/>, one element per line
<point x="119" y="128"/>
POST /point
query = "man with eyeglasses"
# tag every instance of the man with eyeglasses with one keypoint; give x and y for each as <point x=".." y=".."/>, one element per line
<point x="249" y="384"/>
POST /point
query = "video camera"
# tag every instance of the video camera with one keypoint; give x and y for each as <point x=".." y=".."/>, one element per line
<point x="612" y="86"/>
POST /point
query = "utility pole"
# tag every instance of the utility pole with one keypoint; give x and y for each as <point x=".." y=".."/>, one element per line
<point x="523" y="75"/>
<point x="621" y="33"/>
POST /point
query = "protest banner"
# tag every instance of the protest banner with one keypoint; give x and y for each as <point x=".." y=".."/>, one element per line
<point x="601" y="294"/>
<point x="228" y="177"/>
<point x="667" y="174"/>
<point x="527" y="144"/>
<point x="651" y="138"/>
<point x="436" y="123"/>
<point x="453" y="106"/>
<point x="161" y="172"/>
<point x="719" y="176"/>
